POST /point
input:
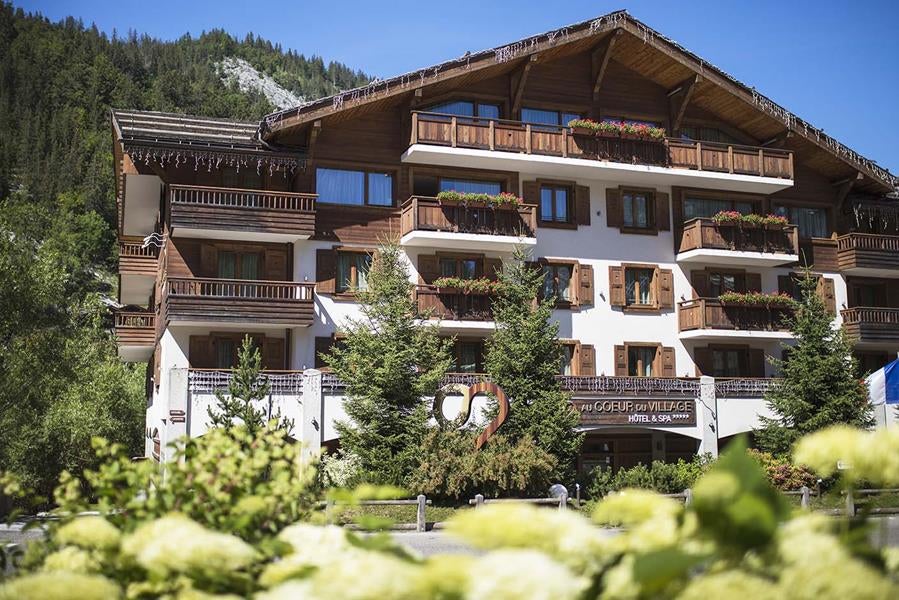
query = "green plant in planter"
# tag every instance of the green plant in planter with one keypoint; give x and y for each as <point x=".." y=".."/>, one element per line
<point x="778" y="300"/>
<point x="501" y="200"/>
<point x="481" y="285"/>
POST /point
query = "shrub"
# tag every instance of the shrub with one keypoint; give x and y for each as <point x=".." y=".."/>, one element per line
<point x="781" y="473"/>
<point x="661" y="477"/>
<point x="452" y="469"/>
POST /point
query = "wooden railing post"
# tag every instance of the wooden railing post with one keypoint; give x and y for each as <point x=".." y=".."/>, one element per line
<point x="414" y="134"/>
<point x="730" y="159"/>
<point x="527" y="138"/>
<point x="761" y="162"/>
<point x="453" y="129"/>
<point x="699" y="156"/>
<point x="564" y="142"/>
<point x="492" y="134"/>
<point x="420" y="522"/>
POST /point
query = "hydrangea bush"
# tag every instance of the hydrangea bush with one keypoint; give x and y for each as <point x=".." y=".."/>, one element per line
<point x="739" y="538"/>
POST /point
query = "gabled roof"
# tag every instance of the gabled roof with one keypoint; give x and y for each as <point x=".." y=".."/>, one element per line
<point x="769" y="118"/>
<point x="150" y="127"/>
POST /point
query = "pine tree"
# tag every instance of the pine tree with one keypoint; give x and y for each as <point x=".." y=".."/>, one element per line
<point x="391" y="363"/>
<point x="819" y="386"/>
<point x="247" y="392"/>
<point x="523" y="358"/>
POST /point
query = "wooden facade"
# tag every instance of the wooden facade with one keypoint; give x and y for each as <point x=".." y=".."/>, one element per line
<point x="871" y="325"/>
<point x="433" y="214"/>
<point x="135" y="258"/>
<point x="706" y="234"/>
<point x="134" y="328"/>
<point x="711" y="313"/>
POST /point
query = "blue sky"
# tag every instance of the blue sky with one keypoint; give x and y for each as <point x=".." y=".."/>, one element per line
<point x="834" y="63"/>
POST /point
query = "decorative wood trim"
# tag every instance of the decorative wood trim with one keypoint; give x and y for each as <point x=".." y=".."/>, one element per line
<point x="599" y="61"/>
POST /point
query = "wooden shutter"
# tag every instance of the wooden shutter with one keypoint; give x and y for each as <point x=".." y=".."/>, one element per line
<point x="826" y="292"/>
<point x="620" y="361"/>
<point x="325" y="270"/>
<point x="585" y="284"/>
<point x="429" y="268"/>
<point x="492" y="268"/>
<point x="616" y="286"/>
<point x="530" y="193"/>
<point x="614" y="216"/>
<point x="582" y="204"/>
<point x="666" y="288"/>
<point x="587" y="361"/>
<point x="273" y="356"/>
<point x="756" y="362"/>
<point x="700" y="282"/>
<point x="322" y="347"/>
<point x="275" y="265"/>
<point x="753" y="282"/>
<point x="668" y="369"/>
<point x="200" y="352"/>
<point x="703" y="359"/>
<point x="208" y="261"/>
<point x="663" y="218"/>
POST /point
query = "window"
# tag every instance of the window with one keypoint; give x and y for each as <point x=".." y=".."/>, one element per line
<point x="812" y="222"/>
<point x="728" y="362"/>
<point x="465" y="108"/>
<point x="640" y="360"/>
<point x="225" y="350"/>
<point x="469" y="356"/>
<point x="466" y="186"/>
<point x="638" y="287"/>
<point x="352" y="271"/>
<point x="720" y="283"/>
<point x="339" y="186"/>
<point x="539" y="116"/>
<point x="707" y="134"/>
<point x="709" y="207"/>
<point x="637" y="209"/>
<point x="557" y="282"/>
<point x="867" y="293"/>
<point x="238" y="265"/>
<point x="567" y="364"/>
<point x="463" y="268"/>
<point x="555" y="203"/>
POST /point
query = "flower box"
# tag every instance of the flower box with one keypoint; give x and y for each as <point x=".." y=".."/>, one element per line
<point x="473" y="200"/>
<point x="582" y="131"/>
<point x="757" y="300"/>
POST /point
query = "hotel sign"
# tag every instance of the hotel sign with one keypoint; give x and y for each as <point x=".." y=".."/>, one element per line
<point x="657" y="413"/>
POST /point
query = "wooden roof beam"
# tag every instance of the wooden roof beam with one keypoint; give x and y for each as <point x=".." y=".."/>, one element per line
<point x="778" y="140"/>
<point x="599" y="60"/>
<point x="679" y="98"/>
<point x="844" y="186"/>
<point x="314" y="132"/>
<point x="517" y="82"/>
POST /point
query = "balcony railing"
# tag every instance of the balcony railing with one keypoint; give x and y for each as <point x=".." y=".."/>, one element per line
<point x="422" y="213"/>
<point x="262" y="211"/>
<point x="450" y="304"/>
<point x="135" y="259"/>
<point x="134" y="328"/>
<point x="552" y="140"/>
<point x="701" y="233"/>
<point x="744" y="387"/>
<point x="867" y="251"/>
<point x="211" y="381"/>
<point x="238" y="300"/>
<point x="711" y="313"/>
<point x="871" y="324"/>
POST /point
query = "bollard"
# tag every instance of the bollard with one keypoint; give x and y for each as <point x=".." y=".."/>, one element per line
<point x="577" y="495"/>
<point x="420" y="522"/>
<point x="688" y="497"/>
<point x="563" y="500"/>
<point x="479" y="500"/>
<point x="804" y="497"/>
<point x="850" y="504"/>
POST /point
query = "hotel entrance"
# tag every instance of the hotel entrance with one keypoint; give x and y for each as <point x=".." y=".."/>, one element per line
<point x="617" y="450"/>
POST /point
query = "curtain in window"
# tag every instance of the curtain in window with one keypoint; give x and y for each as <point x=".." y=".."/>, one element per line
<point x="380" y="189"/>
<point x="338" y="186"/>
<point x="720" y="283"/>
<point x="227" y="265"/>
<point x="708" y="207"/>
<point x="344" y="271"/>
<point x="635" y="210"/>
<point x="812" y="222"/>
<point x="468" y="357"/>
<point x="469" y="186"/>
<point x="546" y="203"/>
<point x="488" y="111"/>
<point x="539" y="117"/>
<point x="639" y="361"/>
<point x="362" y="263"/>
<point x="249" y="266"/>
<point x="447" y="267"/>
<point x="224" y="353"/>
<point x="563" y="276"/>
<point x="638" y="286"/>
<point x="549" y="283"/>
<point x="567" y="356"/>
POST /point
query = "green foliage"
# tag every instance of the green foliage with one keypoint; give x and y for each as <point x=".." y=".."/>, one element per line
<point x="738" y="538"/>
<point x="819" y="387"/>
<point x="523" y="358"/>
<point x="661" y="477"/>
<point x="390" y="363"/>
<point x="781" y="473"/>
<point x="452" y="469"/>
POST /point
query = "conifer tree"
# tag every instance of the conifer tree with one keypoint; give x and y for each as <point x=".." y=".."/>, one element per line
<point x="247" y="393"/>
<point x="819" y="386"/>
<point x="524" y="358"/>
<point x="391" y="363"/>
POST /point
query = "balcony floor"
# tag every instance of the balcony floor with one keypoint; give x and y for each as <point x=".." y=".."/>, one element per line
<point x="135" y="289"/>
<point x="237" y="234"/>
<point x="579" y="168"/>
<point x="135" y="354"/>
<point x="735" y="334"/>
<point x="465" y="241"/>
<point x="714" y="256"/>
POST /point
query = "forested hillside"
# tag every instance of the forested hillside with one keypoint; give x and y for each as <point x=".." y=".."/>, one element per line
<point x="60" y="380"/>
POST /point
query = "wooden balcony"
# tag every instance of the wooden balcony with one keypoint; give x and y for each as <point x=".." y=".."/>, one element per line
<point x="704" y="240"/>
<point x="453" y="305"/>
<point x="710" y="318"/>
<point x="868" y="254"/>
<point x="197" y="300"/>
<point x="427" y="221"/>
<point x="548" y="140"/>
<point x="240" y="214"/>
<point x="872" y="326"/>
<point x="134" y="259"/>
<point x="135" y="334"/>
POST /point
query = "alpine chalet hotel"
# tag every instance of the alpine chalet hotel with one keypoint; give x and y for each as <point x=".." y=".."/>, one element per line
<point x="669" y="205"/>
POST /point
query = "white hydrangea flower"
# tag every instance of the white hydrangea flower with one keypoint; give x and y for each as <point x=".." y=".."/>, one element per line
<point x="176" y="544"/>
<point x="730" y="584"/>
<point x="313" y="546"/>
<point x="291" y="590"/>
<point x="89" y="532"/>
<point x="71" y="559"/>
<point x="366" y="575"/>
<point x="524" y="575"/>
<point x="60" y="585"/>
<point x="634" y="506"/>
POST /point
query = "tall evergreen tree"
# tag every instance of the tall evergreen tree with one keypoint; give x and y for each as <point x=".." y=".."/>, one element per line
<point x="819" y="386"/>
<point x="523" y="358"/>
<point x="390" y="363"/>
